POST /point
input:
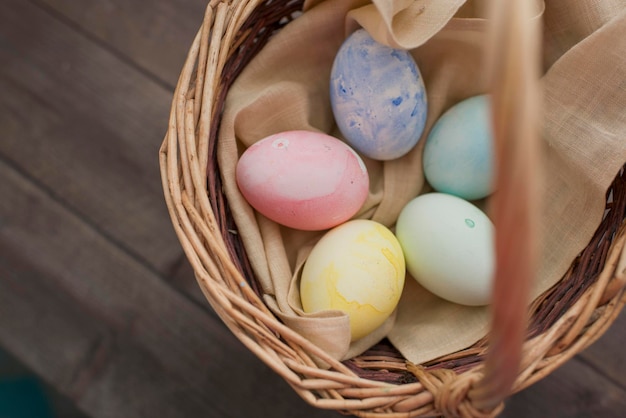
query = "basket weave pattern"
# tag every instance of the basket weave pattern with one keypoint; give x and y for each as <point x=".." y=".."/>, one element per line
<point x="380" y="382"/>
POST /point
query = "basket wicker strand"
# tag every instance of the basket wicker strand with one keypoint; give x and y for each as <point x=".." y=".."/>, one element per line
<point x="524" y="344"/>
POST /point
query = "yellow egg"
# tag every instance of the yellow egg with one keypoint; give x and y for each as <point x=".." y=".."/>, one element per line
<point x="358" y="268"/>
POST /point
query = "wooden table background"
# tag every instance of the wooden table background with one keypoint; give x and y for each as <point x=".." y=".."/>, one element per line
<point x="96" y="296"/>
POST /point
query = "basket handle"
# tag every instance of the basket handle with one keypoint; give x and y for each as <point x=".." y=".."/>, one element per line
<point x="513" y="68"/>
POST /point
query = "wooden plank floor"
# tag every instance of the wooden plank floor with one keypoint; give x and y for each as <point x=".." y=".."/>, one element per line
<point x="95" y="294"/>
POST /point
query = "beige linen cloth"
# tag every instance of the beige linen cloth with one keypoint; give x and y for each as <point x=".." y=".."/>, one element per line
<point x="584" y="130"/>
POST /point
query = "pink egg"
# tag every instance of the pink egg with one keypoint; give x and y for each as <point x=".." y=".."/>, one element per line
<point x="304" y="180"/>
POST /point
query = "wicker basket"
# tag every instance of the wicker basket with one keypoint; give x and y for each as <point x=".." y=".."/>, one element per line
<point x="380" y="382"/>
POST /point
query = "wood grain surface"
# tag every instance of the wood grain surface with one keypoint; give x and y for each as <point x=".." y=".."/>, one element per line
<point x="95" y="294"/>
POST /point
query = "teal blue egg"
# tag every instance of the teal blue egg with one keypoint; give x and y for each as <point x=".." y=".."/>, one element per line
<point x="378" y="97"/>
<point x="458" y="154"/>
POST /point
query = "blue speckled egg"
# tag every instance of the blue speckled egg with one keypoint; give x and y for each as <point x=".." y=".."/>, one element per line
<point x="378" y="97"/>
<point x="458" y="154"/>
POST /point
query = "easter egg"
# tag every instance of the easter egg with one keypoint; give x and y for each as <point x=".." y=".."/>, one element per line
<point x="378" y="97"/>
<point x="303" y="180"/>
<point x="458" y="153"/>
<point x="358" y="268"/>
<point x="448" y="245"/>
